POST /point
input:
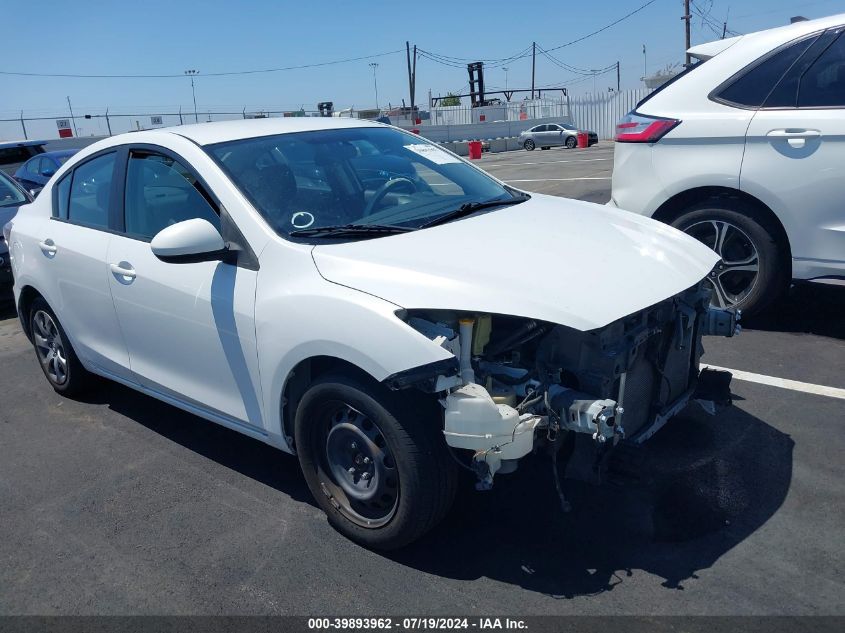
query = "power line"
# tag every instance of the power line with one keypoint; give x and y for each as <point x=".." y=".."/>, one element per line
<point x="219" y="74"/>
<point x="573" y="69"/>
<point x="604" y="28"/>
<point x="460" y="62"/>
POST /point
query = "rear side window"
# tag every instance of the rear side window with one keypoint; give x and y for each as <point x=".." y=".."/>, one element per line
<point x="90" y="191"/>
<point x="823" y="85"/>
<point x="35" y="166"/>
<point x="752" y="87"/>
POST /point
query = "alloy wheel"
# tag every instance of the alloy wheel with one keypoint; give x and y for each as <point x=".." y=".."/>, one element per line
<point x="736" y="274"/>
<point x="50" y="347"/>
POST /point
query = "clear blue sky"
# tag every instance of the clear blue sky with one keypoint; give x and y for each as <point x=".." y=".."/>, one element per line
<point x="163" y="37"/>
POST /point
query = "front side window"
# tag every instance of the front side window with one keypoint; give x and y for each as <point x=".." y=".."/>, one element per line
<point x="752" y="87"/>
<point x="359" y="176"/>
<point x="823" y="85"/>
<point x="161" y="191"/>
<point x="90" y="191"/>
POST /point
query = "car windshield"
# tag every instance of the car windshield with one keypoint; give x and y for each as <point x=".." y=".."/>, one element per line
<point x="10" y="195"/>
<point x="368" y="178"/>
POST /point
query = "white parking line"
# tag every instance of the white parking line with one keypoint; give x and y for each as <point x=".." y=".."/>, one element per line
<point x="562" y="179"/>
<point x="783" y="383"/>
<point x="549" y="162"/>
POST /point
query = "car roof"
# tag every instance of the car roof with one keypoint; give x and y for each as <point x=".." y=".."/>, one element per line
<point x="8" y="144"/>
<point x="774" y="35"/>
<point x="58" y="153"/>
<point x="222" y="131"/>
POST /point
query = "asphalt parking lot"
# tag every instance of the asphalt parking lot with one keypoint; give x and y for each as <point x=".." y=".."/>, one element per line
<point x="119" y="504"/>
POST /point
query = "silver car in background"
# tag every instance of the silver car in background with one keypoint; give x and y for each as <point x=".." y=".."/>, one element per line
<point x="551" y="134"/>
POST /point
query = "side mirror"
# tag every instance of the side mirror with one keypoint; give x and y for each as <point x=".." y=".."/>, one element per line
<point x="35" y="191"/>
<point x="49" y="172"/>
<point x="189" y="241"/>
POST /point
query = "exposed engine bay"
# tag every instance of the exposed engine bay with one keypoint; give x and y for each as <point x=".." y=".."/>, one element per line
<point x="520" y="385"/>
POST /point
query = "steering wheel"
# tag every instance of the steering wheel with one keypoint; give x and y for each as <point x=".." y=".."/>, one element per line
<point x="385" y="189"/>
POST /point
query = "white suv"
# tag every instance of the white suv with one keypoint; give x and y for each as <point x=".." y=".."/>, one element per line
<point x="358" y="295"/>
<point x="746" y="152"/>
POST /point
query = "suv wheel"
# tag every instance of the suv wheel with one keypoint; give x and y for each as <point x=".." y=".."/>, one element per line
<point x="751" y="273"/>
<point x="375" y="461"/>
<point x="55" y="354"/>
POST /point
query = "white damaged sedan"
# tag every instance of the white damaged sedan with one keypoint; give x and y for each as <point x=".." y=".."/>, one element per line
<point x="356" y="295"/>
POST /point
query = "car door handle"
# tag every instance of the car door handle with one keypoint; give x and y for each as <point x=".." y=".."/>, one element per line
<point x="123" y="271"/>
<point x="48" y="247"/>
<point x="793" y="133"/>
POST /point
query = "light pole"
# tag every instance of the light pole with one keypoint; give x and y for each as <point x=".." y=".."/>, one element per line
<point x="191" y="73"/>
<point x="374" y="66"/>
<point x="505" y="68"/>
<point x="645" y="63"/>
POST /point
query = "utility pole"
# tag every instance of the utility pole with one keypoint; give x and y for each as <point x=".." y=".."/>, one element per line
<point x="617" y="77"/>
<point x="724" y="29"/>
<point x="412" y="76"/>
<point x="533" y="65"/>
<point x="374" y="66"/>
<point x="75" y="133"/>
<point x="687" y="19"/>
<point x="505" y="68"/>
<point x="193" y="92"/>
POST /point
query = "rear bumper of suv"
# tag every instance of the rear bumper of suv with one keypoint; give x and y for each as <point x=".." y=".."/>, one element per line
<point x="635" y="184"/>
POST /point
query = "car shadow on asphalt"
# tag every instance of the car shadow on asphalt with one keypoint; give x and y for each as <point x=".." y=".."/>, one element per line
<point x="705" y="484"/>
<point x="808" y="307"/>
<point x="7" y="305"/>
<point x="233" y="450"/>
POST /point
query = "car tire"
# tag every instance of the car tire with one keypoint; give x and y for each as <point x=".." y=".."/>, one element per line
<point x="55" y="354"/>
<point x="544" y="148"/>
<point x="529" y="145"/>
<point x="746" y="240"/>
<point x="346" y="427"/>
<point x="571" y="142"/>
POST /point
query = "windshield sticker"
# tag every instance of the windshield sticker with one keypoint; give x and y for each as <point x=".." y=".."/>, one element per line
<point x="432" y="153"/>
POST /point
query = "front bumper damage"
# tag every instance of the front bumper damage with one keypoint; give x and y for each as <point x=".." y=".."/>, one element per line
<point x="537" y="385"/>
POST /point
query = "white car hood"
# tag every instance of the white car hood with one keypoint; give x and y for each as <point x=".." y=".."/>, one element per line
<point x="574" y="263"/>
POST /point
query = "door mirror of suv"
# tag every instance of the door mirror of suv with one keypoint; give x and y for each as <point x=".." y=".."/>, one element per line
<point x="189" y="241"/>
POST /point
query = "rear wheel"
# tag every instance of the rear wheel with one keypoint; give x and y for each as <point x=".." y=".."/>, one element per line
<point x="529" y="145"/>
<point x="544" y="148"/>
<point x="753" y="270"/>
<point x="377" y="466"/>
<point x="55" y="354"/>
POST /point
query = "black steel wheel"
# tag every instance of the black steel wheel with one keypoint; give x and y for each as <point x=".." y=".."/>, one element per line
<point x="375" y="460"/>
<point x="357" y="465"/>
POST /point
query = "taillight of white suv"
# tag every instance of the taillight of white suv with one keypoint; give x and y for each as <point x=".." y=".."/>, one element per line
<point x="637" y="128"/>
